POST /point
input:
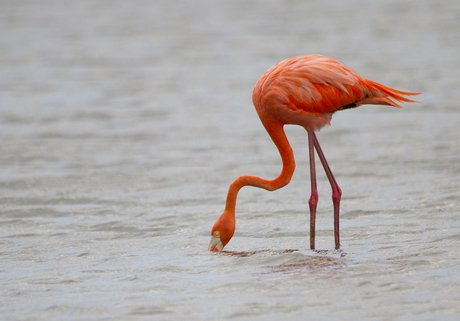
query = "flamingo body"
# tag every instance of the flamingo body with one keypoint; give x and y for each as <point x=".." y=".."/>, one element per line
<point x="304" y="91"/>
<point x="307" y="90"/>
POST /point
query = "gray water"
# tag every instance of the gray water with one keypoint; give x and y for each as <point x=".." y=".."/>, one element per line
<point x="122" y="123"/>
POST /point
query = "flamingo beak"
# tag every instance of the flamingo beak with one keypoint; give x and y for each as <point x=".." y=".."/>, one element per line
<point x="215" y="244"/>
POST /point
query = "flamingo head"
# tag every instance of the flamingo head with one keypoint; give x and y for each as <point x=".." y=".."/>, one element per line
<point x="221" y="232"/>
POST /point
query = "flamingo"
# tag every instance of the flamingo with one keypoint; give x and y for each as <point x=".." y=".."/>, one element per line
<point x="304" y="91"/>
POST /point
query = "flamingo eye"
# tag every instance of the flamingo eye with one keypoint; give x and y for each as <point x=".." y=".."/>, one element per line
<point x="216" y="233"/>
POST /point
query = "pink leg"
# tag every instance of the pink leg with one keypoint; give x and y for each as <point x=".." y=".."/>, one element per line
<point x="336" y="191"/>
<point x="314" y="191"/>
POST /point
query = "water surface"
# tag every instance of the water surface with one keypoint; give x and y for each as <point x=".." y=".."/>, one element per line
<point x="123" y="123"/>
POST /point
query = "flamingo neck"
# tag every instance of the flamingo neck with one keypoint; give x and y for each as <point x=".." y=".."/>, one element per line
<point x="276" y="131"/>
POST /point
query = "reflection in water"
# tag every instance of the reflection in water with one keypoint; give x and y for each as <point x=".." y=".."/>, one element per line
<point x="250" y="253"/>
<point x="310" y="263"/>
<point x="315" y="260"/>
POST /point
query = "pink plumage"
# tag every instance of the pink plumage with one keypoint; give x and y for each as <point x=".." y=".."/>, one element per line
<point x="305" y="91"/>
<point x="317" y="86"/>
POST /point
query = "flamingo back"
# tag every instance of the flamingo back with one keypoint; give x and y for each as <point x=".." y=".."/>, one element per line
<point x="307" y="90"/>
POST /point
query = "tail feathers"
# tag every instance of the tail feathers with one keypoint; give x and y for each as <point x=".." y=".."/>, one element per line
<point x="382" y="95"/>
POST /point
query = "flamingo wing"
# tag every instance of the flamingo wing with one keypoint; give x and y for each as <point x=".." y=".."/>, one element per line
<point x="318" y="85"/>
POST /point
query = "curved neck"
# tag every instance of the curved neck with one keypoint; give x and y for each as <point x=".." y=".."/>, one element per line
<point x="276" y="131"/>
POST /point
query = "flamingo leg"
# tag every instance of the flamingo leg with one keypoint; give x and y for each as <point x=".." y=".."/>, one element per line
<point x="314" y="191"/>
<point x="336" y="191"/>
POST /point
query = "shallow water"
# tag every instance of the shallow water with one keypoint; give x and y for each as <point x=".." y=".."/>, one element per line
<point x="123" y="123"/>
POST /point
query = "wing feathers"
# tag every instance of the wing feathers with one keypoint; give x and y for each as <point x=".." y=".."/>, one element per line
<point x="317" y="85"/>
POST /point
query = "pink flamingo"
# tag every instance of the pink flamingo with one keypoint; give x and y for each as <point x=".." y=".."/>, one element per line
<point x="305" y="91"/>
